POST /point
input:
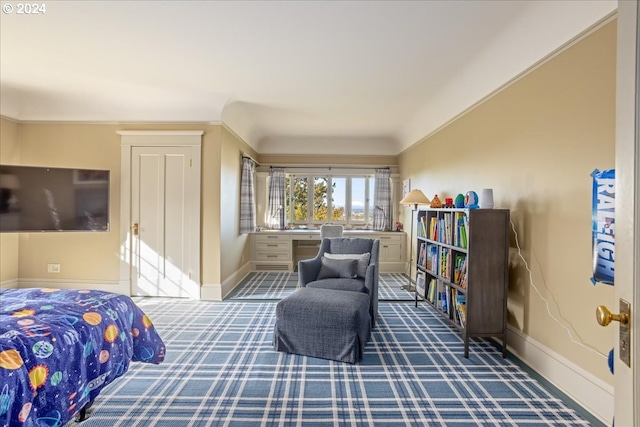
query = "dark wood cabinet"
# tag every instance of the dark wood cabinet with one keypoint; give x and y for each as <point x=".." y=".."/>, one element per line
<point x="463" y="269"/>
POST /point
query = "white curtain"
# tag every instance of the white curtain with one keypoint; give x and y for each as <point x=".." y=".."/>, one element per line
<point x="277" y="202"/>
<point x="382" y="213"/>
<point x="247" y="197"/>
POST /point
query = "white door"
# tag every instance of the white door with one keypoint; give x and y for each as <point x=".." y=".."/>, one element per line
<point x="161" y="209"/>
<point x="627" y="270"/>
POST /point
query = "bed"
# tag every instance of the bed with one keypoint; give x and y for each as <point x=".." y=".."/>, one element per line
<point x="60" y="348"/>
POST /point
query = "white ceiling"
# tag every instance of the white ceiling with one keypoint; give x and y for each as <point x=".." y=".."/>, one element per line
<point x="286" y="76"/>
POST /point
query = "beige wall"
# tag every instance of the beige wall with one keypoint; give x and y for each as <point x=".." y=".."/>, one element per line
<point x="536" y="143"/>
<point x="9" y="154"/>
<point x="233" y="245"/>
<point x="94" y="257"/>
<point x="84" y="256"/>
<point x="210" y="206"/>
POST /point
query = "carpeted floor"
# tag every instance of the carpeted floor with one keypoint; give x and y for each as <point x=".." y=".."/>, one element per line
<point x="272" y="285"/>
<point x="221" y="370"/>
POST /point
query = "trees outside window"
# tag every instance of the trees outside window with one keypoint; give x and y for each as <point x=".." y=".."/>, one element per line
<point x="297" y="197"/>
<point x="337" y="199"/>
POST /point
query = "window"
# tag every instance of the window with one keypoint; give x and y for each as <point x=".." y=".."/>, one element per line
<point x="338" y="199"/>
<point x="359" y="199"/>
<point x="297" y="198"/>
<point x="317" y="199"/>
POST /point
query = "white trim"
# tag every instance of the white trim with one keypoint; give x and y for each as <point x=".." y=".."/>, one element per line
<point x="211" y="292"/>
<point x="590" y="392"/>
<point x="217" y="292"/>
<point x="101" y="285"/>
<point x="9" y="284"/>
<point x="160" y="132"/>
<point x="131" y="139"/>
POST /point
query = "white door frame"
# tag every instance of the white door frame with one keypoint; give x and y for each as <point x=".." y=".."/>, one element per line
<point x="130" y="139"/>
<point x="627" y="270"/>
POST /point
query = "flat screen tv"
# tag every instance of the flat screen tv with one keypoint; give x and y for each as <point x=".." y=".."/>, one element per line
<point x="34" y="199"/>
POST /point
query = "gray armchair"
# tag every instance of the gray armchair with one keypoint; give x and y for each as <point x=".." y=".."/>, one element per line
<point x="365" y="278"/>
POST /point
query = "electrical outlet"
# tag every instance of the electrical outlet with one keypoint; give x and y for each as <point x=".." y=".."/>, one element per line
<point x="53" y="268"/>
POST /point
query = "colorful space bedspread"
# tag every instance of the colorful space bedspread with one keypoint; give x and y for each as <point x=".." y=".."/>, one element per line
<point x="59" y="348"/>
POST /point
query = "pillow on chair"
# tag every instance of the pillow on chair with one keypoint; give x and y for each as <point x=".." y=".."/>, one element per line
<point x="338" y="268"/>
<point x="363" y="261"/>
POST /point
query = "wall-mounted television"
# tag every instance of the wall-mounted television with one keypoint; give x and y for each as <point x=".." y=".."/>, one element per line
<point x="34" y="199"/>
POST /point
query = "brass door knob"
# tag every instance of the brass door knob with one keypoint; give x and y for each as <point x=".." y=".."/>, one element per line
<point x="605" y="317"/>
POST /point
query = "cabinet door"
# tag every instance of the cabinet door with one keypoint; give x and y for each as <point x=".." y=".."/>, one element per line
<point x="390" y="249"/>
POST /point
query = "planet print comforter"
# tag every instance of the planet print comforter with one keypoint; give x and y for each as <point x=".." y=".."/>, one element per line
<point x="60" y="348"/>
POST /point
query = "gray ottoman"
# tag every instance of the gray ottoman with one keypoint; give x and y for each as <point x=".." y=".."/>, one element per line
<point x="329" y="324"/>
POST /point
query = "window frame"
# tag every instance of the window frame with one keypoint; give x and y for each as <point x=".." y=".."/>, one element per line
<point x="311" y="177"/>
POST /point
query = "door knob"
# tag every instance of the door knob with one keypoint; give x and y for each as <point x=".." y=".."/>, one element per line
<point x="134" y="229"/>
<point x="605" y="317"/>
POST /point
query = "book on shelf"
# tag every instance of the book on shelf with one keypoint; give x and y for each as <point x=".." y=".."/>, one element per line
<point x="460" y="230"/>
<point x="422" y="256"/>
<point x="464" y="273"/>
<point x="432" y="257"/>
<point x="461" y="308"/>
<point x="433" y="228"/>
<point x="459" y="268"/>
<point x="431" y="292"/>
<point x="422" y="227"/>
<point x="444" y="263"/>
<point x="443" y="298"/>
<point x="447" y="228"/>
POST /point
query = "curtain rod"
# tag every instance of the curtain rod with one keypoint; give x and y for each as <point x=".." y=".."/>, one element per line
<point x="249" y="157"/>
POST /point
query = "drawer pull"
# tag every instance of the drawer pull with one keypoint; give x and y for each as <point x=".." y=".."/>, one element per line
<point x="272" y="246"/>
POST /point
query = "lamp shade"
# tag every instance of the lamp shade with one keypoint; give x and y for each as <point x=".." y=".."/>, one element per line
<point x="415" y="197"/>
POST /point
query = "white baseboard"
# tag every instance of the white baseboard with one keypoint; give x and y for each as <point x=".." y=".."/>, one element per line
<point x="217" y="292"/>
<point x="9" y="284"/>
<point x="102" y="285"/>
<point x="589" y="391"/>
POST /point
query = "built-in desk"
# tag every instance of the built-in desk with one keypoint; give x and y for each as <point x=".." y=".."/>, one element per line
<point x="280" y="250"/>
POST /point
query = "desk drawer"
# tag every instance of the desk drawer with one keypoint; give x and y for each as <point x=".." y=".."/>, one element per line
<point x="271" y="238"/>
<point x="272" y="256"/>
<point x="272" y="245"/>
<point x="306" y="236"/>
<point x="388" y="239"/>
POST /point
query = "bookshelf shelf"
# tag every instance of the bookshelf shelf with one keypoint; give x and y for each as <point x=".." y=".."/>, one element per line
<point x="462" y="269"/>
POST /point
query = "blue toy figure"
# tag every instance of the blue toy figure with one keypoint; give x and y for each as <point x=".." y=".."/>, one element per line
<point x="471" y="200"/>
<point x="459" y="201"/>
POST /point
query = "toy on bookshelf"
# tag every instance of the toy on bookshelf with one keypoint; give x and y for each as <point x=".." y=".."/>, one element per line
<point x="436" y="202"/>
<point x="459" y="201"/>
<point x="471" y="200"/>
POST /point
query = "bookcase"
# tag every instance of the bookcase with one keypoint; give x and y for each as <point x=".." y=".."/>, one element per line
<point x="462" y="269"/>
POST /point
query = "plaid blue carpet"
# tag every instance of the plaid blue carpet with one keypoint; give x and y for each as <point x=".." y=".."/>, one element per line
<point x="270" y="285"/>
<point x="221" y="370"/>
